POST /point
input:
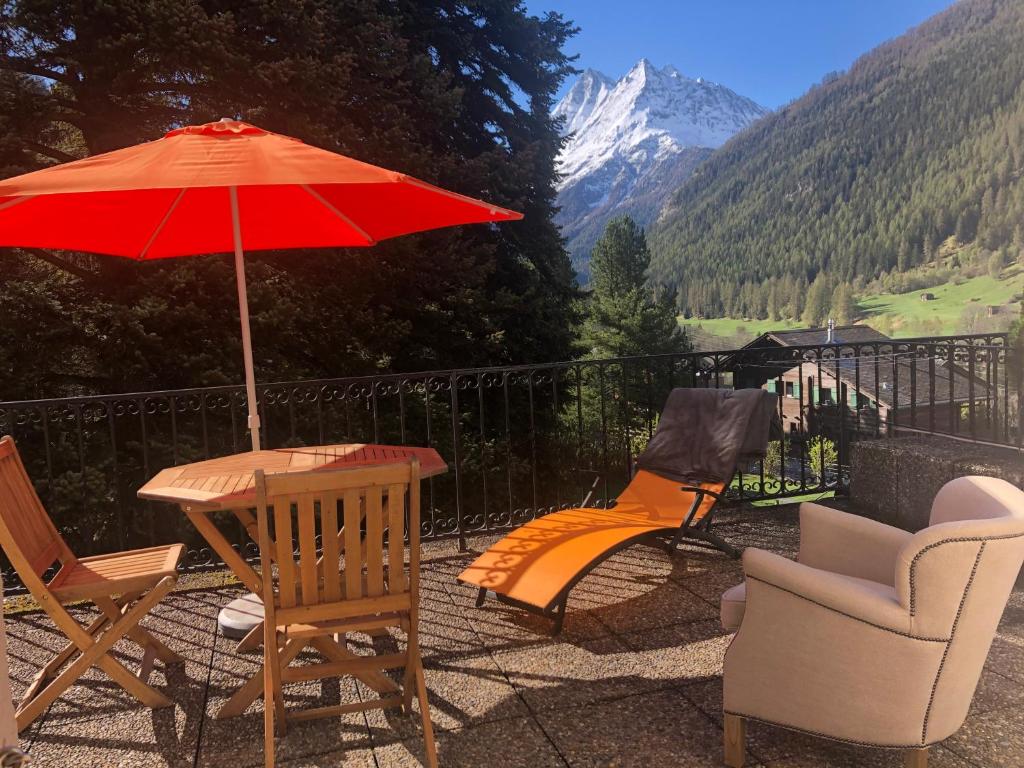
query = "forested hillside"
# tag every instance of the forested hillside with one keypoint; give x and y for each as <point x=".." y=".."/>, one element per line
<point x="454" y="92"/>
<point x="867" y="174"/>
<point x="582" y="223"/>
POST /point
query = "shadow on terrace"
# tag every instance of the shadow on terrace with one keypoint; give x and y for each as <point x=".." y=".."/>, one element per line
<point x="635" y="677"/>
<point x="633" y="680"/>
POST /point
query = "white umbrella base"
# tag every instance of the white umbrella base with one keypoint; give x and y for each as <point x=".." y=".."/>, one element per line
<point x="241" y="616"/>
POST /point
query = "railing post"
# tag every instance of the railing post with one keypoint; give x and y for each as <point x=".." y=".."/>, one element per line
<point x="457" y="460"/>
<point x="841" y="454"/>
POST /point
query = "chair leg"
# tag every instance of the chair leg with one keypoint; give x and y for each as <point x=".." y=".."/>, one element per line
<point x="408" y="689"/>
<point x="253" y="687"/>
<point x="480" y="597"/>
<point x="269" y="704"/>
<point x="273" y="661"/>
<point x="47" y="673"/>
<point x="735" y="741"/>
<point x="137" y="634"/>
<point x="428" y="728"/>
<point x="409" y="682"/>
<point x="251" y="641"/>
<point x="916" y="758"/>
<point x="559" y="617"/>
<point x="701" y="534"/>
<point x="268" y="713"/>
<point x="95" y="652"/>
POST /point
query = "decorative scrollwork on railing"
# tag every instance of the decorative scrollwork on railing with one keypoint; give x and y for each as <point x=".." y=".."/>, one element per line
<point x="509" y="433"/>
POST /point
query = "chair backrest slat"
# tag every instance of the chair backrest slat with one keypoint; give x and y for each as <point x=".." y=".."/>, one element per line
<point x="309" y="569"/>
<point x="362" y="551"/>
<point x="331" y="560"/>
<point x="283" y="537"/>
<point x="353" y="521"/>
<point x="396" y="538"/>
<point x="374" y="541"/>
<point x="28" y="535"/>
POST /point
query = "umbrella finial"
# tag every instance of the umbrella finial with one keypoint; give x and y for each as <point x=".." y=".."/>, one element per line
<point x="226" y="127"/>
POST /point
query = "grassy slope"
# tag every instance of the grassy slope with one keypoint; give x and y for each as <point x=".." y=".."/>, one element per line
<point x="904" y="313"/>
<point x="909" y="314"/>
<point x="729" y="326"/>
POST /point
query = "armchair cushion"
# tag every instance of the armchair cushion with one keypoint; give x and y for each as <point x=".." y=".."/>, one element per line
<point x="849" y="544"/>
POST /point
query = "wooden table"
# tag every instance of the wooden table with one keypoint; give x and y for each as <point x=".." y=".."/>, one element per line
<point x="228" y="484"/>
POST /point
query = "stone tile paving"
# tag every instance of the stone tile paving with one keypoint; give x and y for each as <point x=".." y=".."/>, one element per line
<point x="634" y="680"/>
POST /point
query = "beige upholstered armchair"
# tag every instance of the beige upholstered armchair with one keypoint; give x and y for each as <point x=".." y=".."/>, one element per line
<point x="875" y="636"/>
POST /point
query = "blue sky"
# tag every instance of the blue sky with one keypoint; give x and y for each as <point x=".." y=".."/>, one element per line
<point x="768" y="50"/>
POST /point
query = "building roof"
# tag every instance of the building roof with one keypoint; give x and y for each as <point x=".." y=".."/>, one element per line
<point x="900" y="383"/>
<point x="843" y="334"/>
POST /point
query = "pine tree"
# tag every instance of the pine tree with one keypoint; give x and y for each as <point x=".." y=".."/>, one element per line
<point x="623" y="316"/>
<point x="774" y="304"/>
<point x="928" y="248"/>
<point x="819" y="301"/>
<point x="844" y="307"/>
<point x="455" y="92"/>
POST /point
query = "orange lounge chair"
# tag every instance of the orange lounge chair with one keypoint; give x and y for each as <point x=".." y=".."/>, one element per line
<point x="537" y="565"/>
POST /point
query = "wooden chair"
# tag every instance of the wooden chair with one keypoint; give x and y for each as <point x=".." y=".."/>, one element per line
<point x="358" y="583"/>
<point x="124" y="586"/>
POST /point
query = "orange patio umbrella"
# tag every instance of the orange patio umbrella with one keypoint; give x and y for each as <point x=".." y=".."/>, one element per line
<point x="222" y="187"/>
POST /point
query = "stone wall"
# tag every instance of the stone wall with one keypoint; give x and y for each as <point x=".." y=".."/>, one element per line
<point x="895" y="479"/>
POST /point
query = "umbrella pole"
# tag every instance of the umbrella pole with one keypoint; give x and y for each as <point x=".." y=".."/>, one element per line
<point x="243" y="312"/>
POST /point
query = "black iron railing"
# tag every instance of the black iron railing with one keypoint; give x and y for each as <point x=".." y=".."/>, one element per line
<point x="520" y="441"/>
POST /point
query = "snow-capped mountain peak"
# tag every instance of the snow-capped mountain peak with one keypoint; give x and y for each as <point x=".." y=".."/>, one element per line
<point x="646" y="112"/>
<point x="585" y="96"/>
<point x="622" y="131"/>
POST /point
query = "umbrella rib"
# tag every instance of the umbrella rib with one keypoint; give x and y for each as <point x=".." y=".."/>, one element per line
<point x="492" y="209"/>
<point x="327" y="204"/>
<point x="163" y="221"/>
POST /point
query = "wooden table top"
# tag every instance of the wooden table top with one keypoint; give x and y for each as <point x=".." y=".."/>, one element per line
<point x="228" y="482"/>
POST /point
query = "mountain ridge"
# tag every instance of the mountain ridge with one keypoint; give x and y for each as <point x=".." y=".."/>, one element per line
<point x="633" y="141"/>
<point x="863" y="176"/>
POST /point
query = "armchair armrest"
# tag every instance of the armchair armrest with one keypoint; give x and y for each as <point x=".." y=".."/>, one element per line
<point x="878" y="606"/>
<point x="850" y="545"/>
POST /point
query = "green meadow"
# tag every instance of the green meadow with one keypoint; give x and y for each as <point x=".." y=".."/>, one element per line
<point x="960" y="306"/>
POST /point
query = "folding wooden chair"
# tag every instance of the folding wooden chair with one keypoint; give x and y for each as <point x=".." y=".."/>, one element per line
<point x="357" y="583"/>
<point x="124" y="586"/>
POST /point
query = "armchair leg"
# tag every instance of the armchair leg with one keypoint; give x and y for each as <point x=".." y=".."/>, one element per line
<point x="916" y="758"/>
<point x="736" y="741"/>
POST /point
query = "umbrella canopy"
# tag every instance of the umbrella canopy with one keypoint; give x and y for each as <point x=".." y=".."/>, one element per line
<point x="171" y="197"/>
<point x="221" y="187"/>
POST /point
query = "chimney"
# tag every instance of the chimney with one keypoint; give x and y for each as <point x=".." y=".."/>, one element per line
<point x="831" y="338"/>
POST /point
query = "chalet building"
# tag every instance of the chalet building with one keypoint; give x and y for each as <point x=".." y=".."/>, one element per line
<point x="773" y="353"/>
<point x="882" y="392"/>
<point x="885" y="386"/>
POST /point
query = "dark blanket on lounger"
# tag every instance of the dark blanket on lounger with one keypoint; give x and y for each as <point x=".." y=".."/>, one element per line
<point x="704" y="433"/>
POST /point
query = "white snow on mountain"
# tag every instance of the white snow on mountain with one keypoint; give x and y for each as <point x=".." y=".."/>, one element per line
<point x="625" y="135"/>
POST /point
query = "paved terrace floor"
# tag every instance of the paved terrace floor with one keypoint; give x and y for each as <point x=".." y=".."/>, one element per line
<point x="633" y="681"/>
